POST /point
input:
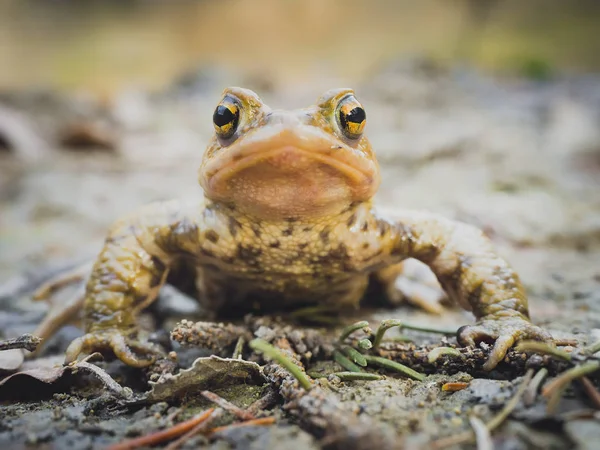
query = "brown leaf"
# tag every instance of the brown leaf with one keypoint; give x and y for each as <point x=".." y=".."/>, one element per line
<point x="204" y="373"/>
<point x="43" y="374"/>
<point x="11" y="360"/>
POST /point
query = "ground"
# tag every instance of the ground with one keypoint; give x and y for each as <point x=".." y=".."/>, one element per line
<point x="519" y="158"/>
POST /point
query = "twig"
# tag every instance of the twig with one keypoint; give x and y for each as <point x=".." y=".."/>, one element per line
<point x="554" y="399"/>
<point x="354" y="376"/>
<point x="383" y="327"/>
<point x="591" y="391"/>
<point x="263" y="421"/>
<point x="265" y="402"/>
<point x="512" y="403"/>
<point x="570" y="375"/>
<point x="354" y="355"/>
<point x="347" y="331"/>
<point x="593" y="348"/>
<point x="174" y="414"/>
<point x="455" y="439"/>
<point x="434" y="354"/>
<point x="26" y="341"/>
<point x="345" y="362"/>
<point x="105" y="378"/>
<point x="239" y="348"/>
<point x="566" y="342"/>
<point x="202" y="428"/>
<point x="553" y="391"/>
<point x="544" y="349"/>
<point x="268" y="350"/>
<point x="228" y="406"/>
<point x="396" y="367"/>
<point x="533" y="388"/>
<point x="163" y="435"/>
<point x="483" y="436"/>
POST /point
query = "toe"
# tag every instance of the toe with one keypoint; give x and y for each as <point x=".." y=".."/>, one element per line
<point x="124" y="353"/>
<point x="74" y="349"/>
<point x="471" y="335"/>
<point x="538" y="334"/>
<point x="86" y="344"/>
<point x="501" y="347"/>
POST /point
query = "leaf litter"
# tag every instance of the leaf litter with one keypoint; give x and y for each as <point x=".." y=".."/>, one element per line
<point x="389" y="409"/>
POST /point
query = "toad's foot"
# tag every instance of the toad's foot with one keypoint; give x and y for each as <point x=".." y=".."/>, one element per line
<point x="74" y="275"/>
<point x="406" y="290"/>
<point x="413" y="282"/>
<point x="59" y="315"/>
<point x="504" y="332"/>
<point x="119" y="344"/>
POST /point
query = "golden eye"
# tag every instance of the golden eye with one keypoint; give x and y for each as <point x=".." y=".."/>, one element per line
<point x="352" y="117"/>
<point x="226" y="117"/>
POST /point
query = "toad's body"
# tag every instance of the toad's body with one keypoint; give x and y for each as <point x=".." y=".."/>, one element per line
<point x="287" y="221"/>
<point x="249" y="264"/>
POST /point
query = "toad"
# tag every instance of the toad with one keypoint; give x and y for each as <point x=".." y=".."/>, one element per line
<point x="287" y="222"/>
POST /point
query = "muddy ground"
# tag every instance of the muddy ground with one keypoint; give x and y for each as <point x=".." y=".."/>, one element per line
<point x="519" y="158"/>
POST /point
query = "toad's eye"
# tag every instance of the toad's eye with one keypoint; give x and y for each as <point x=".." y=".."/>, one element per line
<point x="226" y="117"/>
<point x="352" y="117"/>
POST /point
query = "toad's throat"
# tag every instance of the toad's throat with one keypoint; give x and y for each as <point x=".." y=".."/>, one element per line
<point x="290" y="181"/>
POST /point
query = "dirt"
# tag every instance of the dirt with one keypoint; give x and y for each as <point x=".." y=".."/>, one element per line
<point x="516" y="157"/>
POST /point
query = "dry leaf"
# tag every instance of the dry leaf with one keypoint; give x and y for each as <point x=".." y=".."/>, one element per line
<point x="43" y="374"/>
<point x="11" y="360"/>
<point x="204" y="373"/>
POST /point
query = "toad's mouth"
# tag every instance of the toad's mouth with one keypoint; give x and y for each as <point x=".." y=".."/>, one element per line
<point x="288" y="149"/>
<point x="285" y="160"/>
<point x="288" y="172"/>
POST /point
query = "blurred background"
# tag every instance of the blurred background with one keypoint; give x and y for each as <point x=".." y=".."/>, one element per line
<point x="485" y="111"/>
<point x="105" y="45"/>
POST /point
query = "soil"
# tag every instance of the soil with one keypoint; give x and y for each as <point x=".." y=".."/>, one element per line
<point x="519" y="158"/>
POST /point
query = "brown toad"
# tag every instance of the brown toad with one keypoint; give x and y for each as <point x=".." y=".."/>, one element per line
<point x="288" y="222"/>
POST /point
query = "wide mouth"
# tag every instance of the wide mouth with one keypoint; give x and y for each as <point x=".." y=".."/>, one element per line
<point x="287" y="150"/>
<point x="284" y="154"/>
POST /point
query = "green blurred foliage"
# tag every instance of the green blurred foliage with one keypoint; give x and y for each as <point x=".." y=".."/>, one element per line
<point x="107" y="44"/>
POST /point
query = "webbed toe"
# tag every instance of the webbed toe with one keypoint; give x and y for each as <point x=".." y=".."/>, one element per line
<point x="504" y="333"/>
<point x="133" y="352"/>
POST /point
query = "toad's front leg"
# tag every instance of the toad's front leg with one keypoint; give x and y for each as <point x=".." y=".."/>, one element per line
<point x="471" y="272"/>
<point x="128" y="274"/>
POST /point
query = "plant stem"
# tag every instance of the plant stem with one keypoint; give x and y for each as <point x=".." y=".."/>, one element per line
<point x="347" y="331"/>
<point x="434" y="354"/>
<point x="345" y="362"/>
<point x="383" y="327"/>
<point x="396" y="367"/>
<point x="268" y="350"/>
<point x="354" y="355"/>
<point x="354" y="376"/>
